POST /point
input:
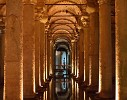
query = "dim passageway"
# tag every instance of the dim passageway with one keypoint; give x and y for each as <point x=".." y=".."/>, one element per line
<point x="63" y="50"/>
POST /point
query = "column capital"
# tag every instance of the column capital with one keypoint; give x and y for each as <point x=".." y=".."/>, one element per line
<point x="29" y="2"/>
<point x="101" y="2"/>
<point x="85" y="21"/>
<point x="40" y="14"/>
<point x="73" y="41"/>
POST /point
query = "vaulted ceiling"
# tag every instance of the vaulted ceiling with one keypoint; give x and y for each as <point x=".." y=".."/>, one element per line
<point x="63" y="15"/>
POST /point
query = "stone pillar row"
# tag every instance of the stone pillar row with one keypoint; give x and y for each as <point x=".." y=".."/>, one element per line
<point x="98" y="51"/>
<point x="22" y="62"/>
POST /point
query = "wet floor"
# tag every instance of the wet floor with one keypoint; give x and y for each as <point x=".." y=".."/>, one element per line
<point x="64" y="87"/>
<point x="67" y="89"/>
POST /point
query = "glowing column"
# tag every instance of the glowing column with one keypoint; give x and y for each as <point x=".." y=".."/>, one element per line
<point x="2" y="46"/>
<point x="51" y="57"/>
<point x="81" y="56"/>
<point x="73" y="56"/>
<point x="77" y="59"/>
<point x="28" y="50"/>
<point x="42" y="53"/>
<point x="121" y="49"/>
<point x="86" y="55"/>
<point x="46" y="56"/>
<point x="37" y="54"/>
<point x="94" y="52"/>
<point x="13" y="61"/>
<point x="105" y="53"/>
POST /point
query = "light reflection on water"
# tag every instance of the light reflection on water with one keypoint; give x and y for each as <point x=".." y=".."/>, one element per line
<point x="68" y="89"/>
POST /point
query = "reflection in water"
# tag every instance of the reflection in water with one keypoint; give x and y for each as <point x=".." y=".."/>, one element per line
<point x="65" y="89"/>
<point x="62" y="86"/>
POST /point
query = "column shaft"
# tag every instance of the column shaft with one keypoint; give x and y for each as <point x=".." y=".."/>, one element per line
<point x="73" y="57"/>
<point x="76" y="58"/>
<point x="121" y="49"/>
<point x="42" y="53"/>
<point x="94" y="52"/>
<point x="28" y="51"/>
<point x="46" y="57"/>
<point x="37" y="54"/>
<point x="86" y="56"/>
<point x="81" y="56"/>
<point x="2" y="46"/>
<point x="105" y="56"/>
<point x="51" y="57"/>
<point x="13" y="61"/>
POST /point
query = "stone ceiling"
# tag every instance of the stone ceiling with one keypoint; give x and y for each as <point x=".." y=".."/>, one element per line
<point x="63" y="15"/>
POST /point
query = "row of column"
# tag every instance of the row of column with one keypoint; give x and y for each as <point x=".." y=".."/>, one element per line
<point x="98" y="51"/>
<point x="25" y="54"/>
<point x="97" y="67"/>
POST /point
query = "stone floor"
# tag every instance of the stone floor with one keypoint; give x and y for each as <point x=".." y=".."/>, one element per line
<point x="89" y="96"/>
<point x="75" y="95"/>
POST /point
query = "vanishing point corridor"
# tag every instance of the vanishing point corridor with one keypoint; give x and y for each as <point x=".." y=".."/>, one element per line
<point x="63" y="50"/>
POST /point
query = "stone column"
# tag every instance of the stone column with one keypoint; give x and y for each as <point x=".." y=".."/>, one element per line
<point x="86" y="55"/>
<point x="42" y="53"/>
<point x="73" y="56"/>
<point x="121" y="49"/>
<point x="28" y="50"/>
<point x="48" y="53"/>
<point x="81" y="56"/>
<point x="51" y="57"/>
<point x="37" y="54"/>
<point x="13" y="61"/>
<point x="46" y="56"/>
<point x="77" y="59"/>
<point x="2" y="46"/>
<point x="105" y="53"/>
<point x="94" y="52"/>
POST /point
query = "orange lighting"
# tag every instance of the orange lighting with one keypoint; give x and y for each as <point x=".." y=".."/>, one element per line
<point x="100" y="77"/>
<point x="117" y="94"/>
<point x="90" y="72"/>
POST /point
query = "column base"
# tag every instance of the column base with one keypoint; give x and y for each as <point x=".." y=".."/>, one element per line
<point x="84" y="84"/>
<point x="91" y="88"/>
<point x="26" y="97"/>
<point x="104" y="95"/>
